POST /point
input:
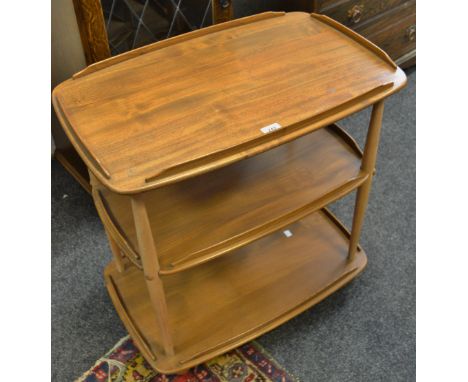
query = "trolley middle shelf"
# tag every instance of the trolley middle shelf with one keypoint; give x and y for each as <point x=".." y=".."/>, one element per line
<point x="235" y="205"/>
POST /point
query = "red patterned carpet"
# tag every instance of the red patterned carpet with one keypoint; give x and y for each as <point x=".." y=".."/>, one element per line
<point x="248" y="363"/>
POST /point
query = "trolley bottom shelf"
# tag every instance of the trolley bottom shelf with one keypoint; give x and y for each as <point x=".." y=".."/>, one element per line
<point x="224" y="303"/>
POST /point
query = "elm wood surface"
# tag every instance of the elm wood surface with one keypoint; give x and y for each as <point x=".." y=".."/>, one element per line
<point x="204" y="217"/>
<point x="221" y="304"/>
<point x="150" y="121"/>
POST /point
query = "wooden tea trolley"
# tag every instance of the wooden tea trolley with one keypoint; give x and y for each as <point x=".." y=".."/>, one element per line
<point x="213" y="156"/>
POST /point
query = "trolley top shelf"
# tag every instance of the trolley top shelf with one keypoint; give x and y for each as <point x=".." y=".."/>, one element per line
<point x="199" y="101"/>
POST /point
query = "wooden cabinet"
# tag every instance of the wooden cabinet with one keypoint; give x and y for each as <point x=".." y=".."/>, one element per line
<point x="212" y="178"/>
<point x="356" y="12"/>
<point x="391" y="24"/>
<point x="394" y="32"/>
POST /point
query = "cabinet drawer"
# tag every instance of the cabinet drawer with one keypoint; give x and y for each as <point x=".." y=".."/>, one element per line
<point x="355" y="12"/>
<point x="393" y="31"/>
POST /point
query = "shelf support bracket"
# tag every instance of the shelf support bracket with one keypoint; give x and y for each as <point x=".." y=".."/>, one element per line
<point x="367" y="165"/>
<point x="115" y="249"/>
<point x="117" y="254"/>
<point x="149" y="259"/>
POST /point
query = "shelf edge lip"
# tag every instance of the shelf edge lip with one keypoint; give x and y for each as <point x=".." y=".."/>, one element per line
<point x="231" y="155"/>
<point x="109" y="223"/>
<point x="345" y="277"/>
<point x="130" y="325"/>
<point x="143" y="182"/>
<point x="243" y="151"/>
<point x="91" y="161"/>
<point x="257" y="233"/>
<point x="250" y="335"/>
<point x="114" y="60"/>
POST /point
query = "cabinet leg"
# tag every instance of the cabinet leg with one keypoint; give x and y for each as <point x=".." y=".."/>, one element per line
<point x="368" y="165"/>
<point x="149" y="258"/>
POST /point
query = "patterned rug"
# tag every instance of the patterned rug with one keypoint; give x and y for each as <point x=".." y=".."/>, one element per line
<point x="248" y="363"/>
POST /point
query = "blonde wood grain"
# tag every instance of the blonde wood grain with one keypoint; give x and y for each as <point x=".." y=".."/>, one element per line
<point x="199" y="104"/>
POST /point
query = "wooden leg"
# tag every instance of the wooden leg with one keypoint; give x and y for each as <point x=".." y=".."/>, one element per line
<point x="360" y="208"/>
<point x="149" y="258"/>
<point x="368" y="165"/>
<point x="116" y="253"/>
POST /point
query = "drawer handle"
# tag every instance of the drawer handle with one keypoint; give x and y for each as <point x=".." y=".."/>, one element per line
<point x="411" y="33"/>
<point x="355" y="13"/>
<point x="224" y="3"/>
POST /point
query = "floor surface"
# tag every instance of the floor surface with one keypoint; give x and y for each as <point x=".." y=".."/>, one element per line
<point x="364" y="332"/>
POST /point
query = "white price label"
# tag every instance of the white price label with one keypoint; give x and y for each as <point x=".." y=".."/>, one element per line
<point x="270" y="128"/>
